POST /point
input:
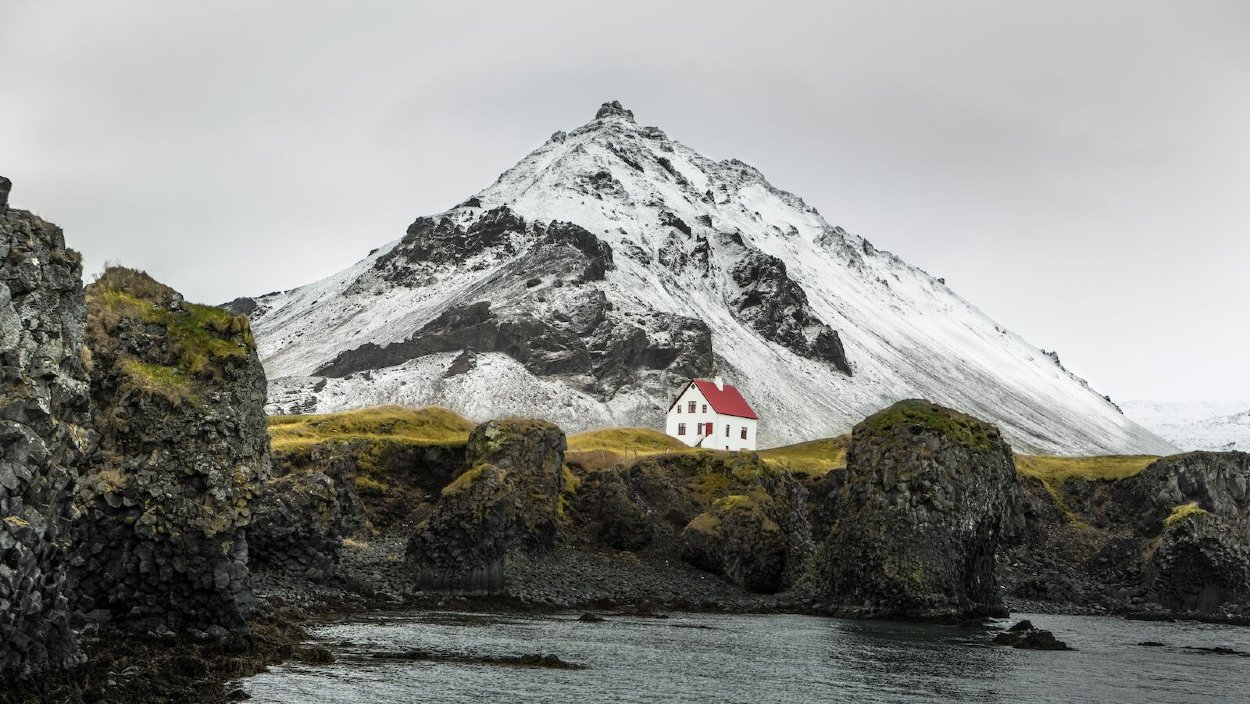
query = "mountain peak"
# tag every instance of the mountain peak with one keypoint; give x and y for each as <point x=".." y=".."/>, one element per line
<point x="614" y="109"/>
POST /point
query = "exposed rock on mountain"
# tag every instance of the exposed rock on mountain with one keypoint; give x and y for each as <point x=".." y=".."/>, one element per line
<point x="612" y="263"/>
<point x="43" y="432"/>
<point x="919" y="516"/>
<point x="166" y="499"/>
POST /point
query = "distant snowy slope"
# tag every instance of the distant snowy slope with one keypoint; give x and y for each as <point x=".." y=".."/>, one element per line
<point x="612" y="262"/>
<point x="1200" y="425"/>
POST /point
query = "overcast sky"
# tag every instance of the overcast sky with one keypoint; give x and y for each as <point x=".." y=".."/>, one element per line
<point x="1078" y="170"/>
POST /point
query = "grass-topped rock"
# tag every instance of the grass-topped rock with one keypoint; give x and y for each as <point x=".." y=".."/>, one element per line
<point x="1199" y="563"/>
<point x="165" y="501"/>
<point x="386" y="461"/>
<point x="510" y="498"/>
<point x="918" y="516"/>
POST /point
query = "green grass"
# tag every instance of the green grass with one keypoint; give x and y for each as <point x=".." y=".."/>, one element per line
<point x="1057" y="470"/>
<point x="428" y="425"/>
<point x="170" y="382"/>
<point x="961" y="428"/>
<point x="1184" y="511"/>
<point x="198" y="338"/>
<point x="815" y="457"/>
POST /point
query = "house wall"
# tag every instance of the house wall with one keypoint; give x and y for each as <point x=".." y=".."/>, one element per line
<point x="693" y="421"/>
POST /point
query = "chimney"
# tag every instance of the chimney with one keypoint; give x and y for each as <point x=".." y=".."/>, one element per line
<point x="720" y="383"/>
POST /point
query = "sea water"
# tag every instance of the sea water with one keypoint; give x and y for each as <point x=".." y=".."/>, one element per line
<point x="762" y="658"/>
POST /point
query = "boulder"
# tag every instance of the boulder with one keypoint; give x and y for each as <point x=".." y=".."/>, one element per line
<point x="918" y="517"/>
<point x="1199" y="564"/>
<point x="737" y="539"/>
<point x="44" y="430"/>
<point x="1026" y="636"/>
<point x="165" y="501"/>
<point x="461" y="547"/>
<point x="296" y="525"/>
<point x="531" y="454"/>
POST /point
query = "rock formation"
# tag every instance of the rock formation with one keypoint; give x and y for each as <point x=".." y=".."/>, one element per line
<point x="178" y="397"/>
<point x="297" y="526"/>
<point x="43" y="420"/>
<point x="1200" y="563"/>
<point x="509" y="498"/>
<point x="919" y="516"/>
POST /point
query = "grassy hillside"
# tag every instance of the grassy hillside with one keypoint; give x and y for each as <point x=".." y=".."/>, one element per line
<point x="395" y="423"/>
<point x="812" y="457"/>
<point x="1055" y="470"/>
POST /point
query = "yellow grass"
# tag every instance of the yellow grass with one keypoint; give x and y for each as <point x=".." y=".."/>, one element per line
<point x="426" y="425"/>
<point x="623" y="440"/>
<point x="1184" y="511"/>
<point x="1056" y="470"/>
<point x="812" y="457"/>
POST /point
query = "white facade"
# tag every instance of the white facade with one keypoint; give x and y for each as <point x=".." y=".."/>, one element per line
<point x="690" y="424"/>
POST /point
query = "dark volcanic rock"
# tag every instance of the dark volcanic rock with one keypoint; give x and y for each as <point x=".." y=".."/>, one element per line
<point x="1219" y="482"/>
<point x="1200" y="564"/>
<point x="736" y="538"/>
<point x="461" y="547"/>
<point x="43" y="432"/>
<point x="1025" y="636"/>
<point x="919" y="516"/>
<point x="178" y="397"/>
<point x="296" y="525"/>
<point x="776" y="306"/>
<point x="5" y="186"/>
<point x="531" y="453"/>
<point x="614" y="109"/>
<point x="541" y="347"/>
<point x="508" y="499"/>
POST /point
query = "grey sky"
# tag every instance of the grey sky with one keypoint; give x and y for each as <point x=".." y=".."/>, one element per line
<point x="1078" y="170"/>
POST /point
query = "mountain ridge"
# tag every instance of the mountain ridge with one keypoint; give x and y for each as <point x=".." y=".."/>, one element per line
<point x="612" y="261"/>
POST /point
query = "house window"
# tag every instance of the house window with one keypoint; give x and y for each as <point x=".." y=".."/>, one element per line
<point x="690" y="408"/>
<point x="744" y="432"/>
<point x="705" y="408"/>
<point x="681" y="429"/>
<point x="679" y="408"/>
<point x="726" y="430"/>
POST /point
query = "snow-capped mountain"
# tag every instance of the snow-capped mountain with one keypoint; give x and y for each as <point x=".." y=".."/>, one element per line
<point x="1199" y="425"/>
<point x="612" y="263"/>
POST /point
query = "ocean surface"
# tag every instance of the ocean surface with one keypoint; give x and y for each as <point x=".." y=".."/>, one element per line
<point x="752" y="659"/>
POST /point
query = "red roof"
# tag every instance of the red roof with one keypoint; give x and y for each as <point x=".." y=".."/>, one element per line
<point x="727" y="400"/>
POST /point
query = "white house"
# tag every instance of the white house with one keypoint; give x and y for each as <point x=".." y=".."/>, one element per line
<point x="712" y="414"/>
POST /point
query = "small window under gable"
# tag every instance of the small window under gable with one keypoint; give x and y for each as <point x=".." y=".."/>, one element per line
<point x="690" y="407"/>
<point x="679" y="408"/>
<point x="705" y="408"/>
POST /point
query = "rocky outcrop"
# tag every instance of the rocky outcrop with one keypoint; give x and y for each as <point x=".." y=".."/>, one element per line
<point x="531" y="454"/>
<point x="737" y="539"/>
<point x="461" y="547"/>
<point x="43" y="432"/>
<point x="1219" y="482"/>
<point x="296" y="526"/>
<point x="918" y="518"/>
<point x="776" y="306"/>
<point x="508" y="499"/>
<point x="1200" y="564"/>
<point x="1026" y="636"/>
<point x="166" y="499"/>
